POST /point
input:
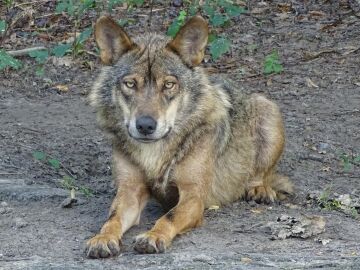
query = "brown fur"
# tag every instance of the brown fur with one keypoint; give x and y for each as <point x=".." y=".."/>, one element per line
<point x="212" y="144"/>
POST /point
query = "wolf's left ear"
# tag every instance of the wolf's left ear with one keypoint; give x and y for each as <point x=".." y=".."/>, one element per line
<point x="112" y="40"/>
<point x="191" y="40"/>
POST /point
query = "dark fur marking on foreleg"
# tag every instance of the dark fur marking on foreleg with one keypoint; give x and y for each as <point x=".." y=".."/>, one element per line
<point x="170" y="215"/>
<point x="112" y="214"/>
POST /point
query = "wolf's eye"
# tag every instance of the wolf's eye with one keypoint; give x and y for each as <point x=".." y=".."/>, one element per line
<point x="169" y="85"/>
<point x="130" y="84"/>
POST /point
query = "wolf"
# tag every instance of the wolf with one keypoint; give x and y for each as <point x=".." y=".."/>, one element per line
<point x="189" y="139"/>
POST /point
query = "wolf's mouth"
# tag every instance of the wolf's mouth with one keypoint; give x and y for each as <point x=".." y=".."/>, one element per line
<point x="149" y="139"/>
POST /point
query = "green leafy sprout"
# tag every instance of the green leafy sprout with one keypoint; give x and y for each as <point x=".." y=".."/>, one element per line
<point x="272" y="64"/>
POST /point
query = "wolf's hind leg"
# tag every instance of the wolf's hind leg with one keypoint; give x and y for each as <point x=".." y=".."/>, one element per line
<point x="268" y="132"/>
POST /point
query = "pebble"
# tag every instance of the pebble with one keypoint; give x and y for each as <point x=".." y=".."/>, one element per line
<point x="4" y="204"/>
<point x="204" y="258"/>
<point x="20" y="223"/>
<point x="68" y="202"/>
<point x="177" y="3"/>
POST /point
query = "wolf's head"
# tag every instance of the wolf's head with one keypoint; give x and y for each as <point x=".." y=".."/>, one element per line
<point x="152" y="81"/>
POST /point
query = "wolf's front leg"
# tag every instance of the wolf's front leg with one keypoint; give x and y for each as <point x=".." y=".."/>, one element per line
<point x="186" y="215"/>
<point x="125" y="210"/>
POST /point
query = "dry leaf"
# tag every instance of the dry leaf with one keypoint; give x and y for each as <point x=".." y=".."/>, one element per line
<point x="258" y="11"/>
<point x="301" y="227"/>
<point x="62" y="88"/>
<point x="257" y="210"/>
<point x="246" y="260"/>
<point x="292" y="206"/>
<point x="316" y="13"/>
<point x="284" y="7"/>
<point x="62" y="61"/>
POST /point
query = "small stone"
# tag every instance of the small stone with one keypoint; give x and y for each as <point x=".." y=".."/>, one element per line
<point x="345" y="199"/>
<point x="245" y="260"/>
<point x="4" y="204"/>
<point x="177" y="3"/>
<point x="323" y="146"/>
<point x="20" y="223"/>
<point x="324" y="242"/>
<point x="204" y="258"/>
<point x="68" y="202"/>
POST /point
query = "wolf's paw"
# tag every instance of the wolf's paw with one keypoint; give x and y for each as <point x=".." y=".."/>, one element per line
<point x="262" y="194"/>
<point x="103" y="246"/>
<point x="150" y="242"/>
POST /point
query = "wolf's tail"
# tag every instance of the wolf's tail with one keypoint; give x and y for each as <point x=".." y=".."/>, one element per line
<point x="281" y="185"/>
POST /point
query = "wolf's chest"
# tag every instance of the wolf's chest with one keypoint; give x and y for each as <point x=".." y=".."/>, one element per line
<point x="166" y="193"/>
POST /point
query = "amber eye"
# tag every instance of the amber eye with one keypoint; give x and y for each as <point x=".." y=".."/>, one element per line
<point x="169" y="85"/>
<point x="130" y="84"/>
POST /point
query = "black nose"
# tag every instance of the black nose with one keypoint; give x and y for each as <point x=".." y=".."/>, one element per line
<point x="146" y="125"/>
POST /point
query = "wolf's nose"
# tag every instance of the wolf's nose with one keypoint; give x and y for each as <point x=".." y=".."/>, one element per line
<point x="146" y="125"/>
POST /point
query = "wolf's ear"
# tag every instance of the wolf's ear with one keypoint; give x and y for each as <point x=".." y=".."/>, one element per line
<point x="111" y="39"/>
<point x="191" y="40"/>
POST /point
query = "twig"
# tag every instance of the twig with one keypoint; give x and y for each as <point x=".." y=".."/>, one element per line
<point x="30" y="3"/>
<point x="14" y="260"/>
<point x="88" y="52"/>
<point x="25" y="51"/>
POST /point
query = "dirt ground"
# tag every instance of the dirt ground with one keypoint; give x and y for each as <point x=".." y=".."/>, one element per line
<point x="318" y="92"/>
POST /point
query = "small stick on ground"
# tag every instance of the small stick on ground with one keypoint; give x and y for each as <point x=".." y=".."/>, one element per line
<point x="26" y="51"/>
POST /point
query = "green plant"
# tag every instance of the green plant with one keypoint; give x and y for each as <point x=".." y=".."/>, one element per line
<point x="2" y="26"/>
<point x="46" y="159"/>
<point x="8" y="3"/>
<point x="78" y="44"/>
<point x="40" y="57"/>
<point x="68" y="183"/>
<point x="7" y="60"/>
<point x="219" y="46"/>
<point x="348" y="161"/>
<point x="272" y="64"/>
<point x="331" y="204"/>
<point x="176" y="24"/>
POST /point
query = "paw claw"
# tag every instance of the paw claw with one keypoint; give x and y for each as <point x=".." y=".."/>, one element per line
<point x="102" y="246"/>
<point x="149" y="243"/>
<point x="262" y="194"/>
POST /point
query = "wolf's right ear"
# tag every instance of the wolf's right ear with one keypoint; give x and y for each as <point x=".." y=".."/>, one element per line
<point x="112" y="40"/>
<point x="190" y="42"/>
